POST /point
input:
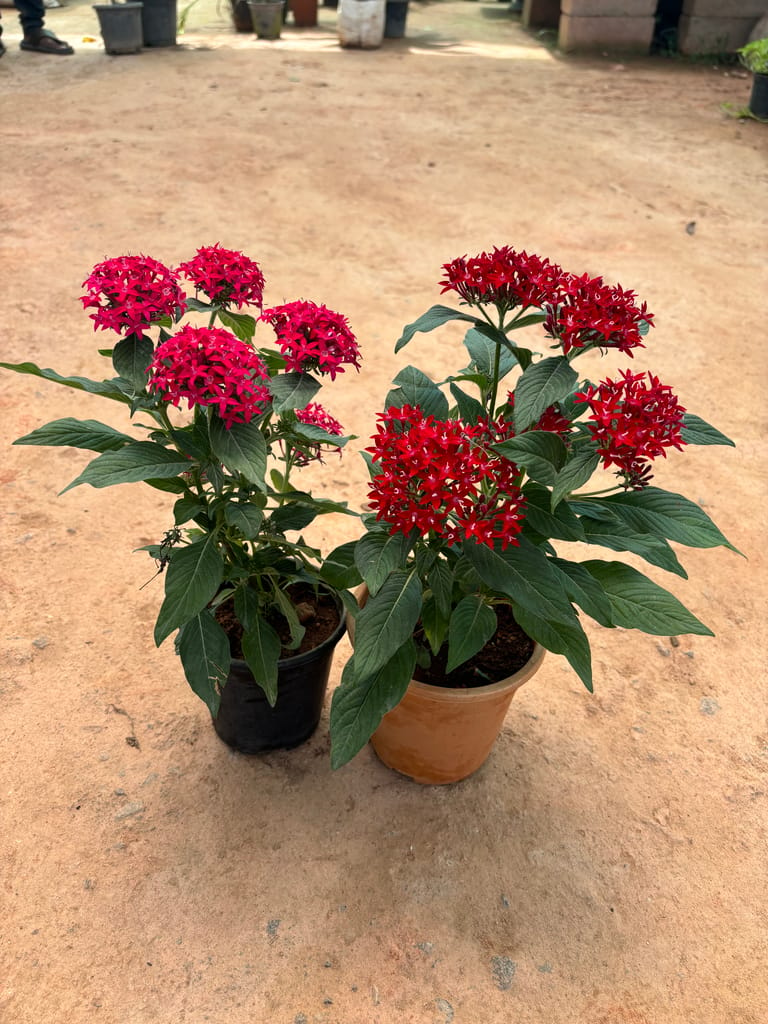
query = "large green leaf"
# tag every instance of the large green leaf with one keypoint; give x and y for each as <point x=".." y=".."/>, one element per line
<point x="131" y="356"/>
<point x="339" y="569"/>
<point x="242" y="325"/>
<point x="191" y="581"/>
<point x="387" y="621"/>
<point x="561" y="524"/>
<point x="140" y="460"/>
<point x="584" y="590"/>
<point x="482" y="352"/>
<point x="377" y="554"/>
<point x="292" y="516"/>
<point x="105" y="388"/>
<point x="261" y="647"/>
<point x="434" y="623"/>
<point x="469" y="408"/>
<point x="540" y="452"/>
<point x="524" y="574"/>
<point x="434" y="317"/>
<point x="293" y="390"/>
<point x="361" y="701"/>
<point x="580" y="466"/>
<point x="203" y="647"/>
<point x="697" y="431"/>
<point x="245" y="517"/>
<point x="666" y="515"/>
<point x="543" y="383"/>
<point x="241" y="448"/>
<point x="472" y="625"/>
<point x="88" y="434"/>
<point x="316" y="435"/>
<point x="569" y="640"/>
<point x="638" y="603"/>
<point x="440" y="582"/>
<point x="412" y="387"/>
<point x="616" y="537"/>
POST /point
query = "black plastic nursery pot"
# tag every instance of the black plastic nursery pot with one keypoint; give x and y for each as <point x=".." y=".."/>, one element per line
<point x="758" y="100"/>
<point x="120" y="26"/>
<point x="248" y="724"/>
<point x="395" y="14"/>
<point x="158" y="21"/>
<point x="267" y="17"/>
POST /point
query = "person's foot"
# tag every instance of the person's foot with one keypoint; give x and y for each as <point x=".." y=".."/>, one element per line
<point x="42" y="40"/>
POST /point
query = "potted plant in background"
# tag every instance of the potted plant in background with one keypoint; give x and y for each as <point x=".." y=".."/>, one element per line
<point x="121" y="26"/>
<point x="245" y="593"/>
<point x="754" y="57"/>
<point x="475" y="483"/>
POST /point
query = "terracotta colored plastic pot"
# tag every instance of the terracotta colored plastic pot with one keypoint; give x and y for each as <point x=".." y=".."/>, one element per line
<point x="436" y="734"/>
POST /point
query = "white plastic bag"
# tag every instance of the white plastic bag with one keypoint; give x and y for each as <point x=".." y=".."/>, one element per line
<point x="361" y="23"/>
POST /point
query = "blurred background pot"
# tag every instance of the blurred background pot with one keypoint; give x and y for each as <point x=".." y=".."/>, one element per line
<point x="120" y="26"/>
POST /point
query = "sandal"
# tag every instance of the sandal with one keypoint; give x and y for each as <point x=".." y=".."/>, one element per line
<point x="42" y="40"/>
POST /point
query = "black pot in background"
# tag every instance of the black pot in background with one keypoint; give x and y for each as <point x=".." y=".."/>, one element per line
<point x="159" y="22"/>
<point x="120" y="26"/>
<point x="758" y="100"/>
<point x="395" y="13"/>
<point x="248" y="724"/>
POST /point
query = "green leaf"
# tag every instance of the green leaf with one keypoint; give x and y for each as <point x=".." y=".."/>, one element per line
<point x="191" y="581"/>
<point x="540" y="452"/>
<point x="472" y="625"/>
<point x="247" y="606"/>
<point x="469" y="408"/>
<point x="482" y="352"/>
<point x="105" y="388"/>
<point x="261" y="647"/>
<point x="615" y="537"/>
<point x="638" y="603"/>
<point x="434" y="623"/>
<point x="292" y="516"/>
<point x="339" y="569"/>
<point x="387" y="621"/>
<point x="294" y="390"/>
<point x="569" y="640"/>
<point x="667" y="515"/>
<point x="185" y="509"/>
<point x="584" y="590"/>
<point x="203" y="647"/>
<point x="522" y="356"/>
<point x="245" y="517"/>
<point x="440" y="583"/>
<point x="241" y="448"/>
<point x="140" y="460"/>
<point x="415" y="388"/>
<point x="575" y="473"/>
<point x="242" y="325"/>
<point x="361" y="701"/>
<point x="197" y="305"/>
<point x="316" y="435"/>
<point x="561" y="524"/>
<point x="131" y="356"/>
<point x="88" y="434"/>
<point x="524" y="574"/>
<point x="434" y="317"/>
<point x="542" y="384"/>
<point x="377" y="554"/>
<point x="696" y="431"/>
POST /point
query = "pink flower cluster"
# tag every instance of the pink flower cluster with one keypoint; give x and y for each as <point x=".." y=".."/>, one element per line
<point x="316" y="416"/>
<point x="226" y="276"/>
<point x="633" y="422"/>
<point x="585" y="312"/>
<point x="129" y="293"/>
<point x="210" y="366"/>
<point x="441" y="477"/>
<point x="313" y="337"/>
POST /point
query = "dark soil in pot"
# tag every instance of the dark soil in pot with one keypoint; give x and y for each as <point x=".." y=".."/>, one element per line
<point x="317" y="612"/>
<point x="504" y="654"/>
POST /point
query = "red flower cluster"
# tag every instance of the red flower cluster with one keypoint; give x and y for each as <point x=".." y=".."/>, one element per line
<point x="315" y="415"/>
<point x="226" y="276"/>
<point x="210" y="366"/>
<point x="440" y="476"/>
<point x="313" y="337"/>
<point x="588" y="312"/>
<point x="633" y="422"/>
<point x="503" y="277"/>
<point x="130" y="292"/>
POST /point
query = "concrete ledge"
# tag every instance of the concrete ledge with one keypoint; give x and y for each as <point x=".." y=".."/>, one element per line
<point x="631" y="35"/>
<point x="712" y="35"/>
<point x="609" y="8"/>
<point x="726" y="8"/>
<point x="541" y="13"/>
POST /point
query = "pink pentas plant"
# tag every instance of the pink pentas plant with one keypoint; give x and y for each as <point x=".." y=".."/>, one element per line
<point x="222" y="425"/>
<point x="482" y="482"/>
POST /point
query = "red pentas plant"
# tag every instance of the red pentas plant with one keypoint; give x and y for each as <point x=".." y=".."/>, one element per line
<point x="313" y="337"/>
<point x="482" y="482"/>
<point x="222" y="424"/>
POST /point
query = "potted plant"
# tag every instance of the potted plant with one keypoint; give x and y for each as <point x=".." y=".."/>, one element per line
<point x="754" y="57"/>
<point x="245" y="593"/>
<point x="476" y="481"/>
